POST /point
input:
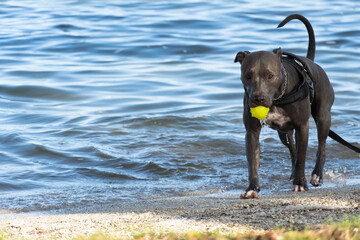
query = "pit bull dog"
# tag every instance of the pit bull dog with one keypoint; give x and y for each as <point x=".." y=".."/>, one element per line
<point x="293" y="88"/>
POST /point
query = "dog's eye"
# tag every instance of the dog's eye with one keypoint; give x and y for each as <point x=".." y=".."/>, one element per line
<point x="270" y="76"/>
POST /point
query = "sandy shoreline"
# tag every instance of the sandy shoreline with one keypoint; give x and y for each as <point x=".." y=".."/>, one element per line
<point x="227" y="214"/>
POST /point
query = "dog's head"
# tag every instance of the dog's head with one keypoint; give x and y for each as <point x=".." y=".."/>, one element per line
<point x="261" y="75"/>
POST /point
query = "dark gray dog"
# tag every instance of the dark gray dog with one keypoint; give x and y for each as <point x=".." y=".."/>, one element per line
<point x="293" y="87"/>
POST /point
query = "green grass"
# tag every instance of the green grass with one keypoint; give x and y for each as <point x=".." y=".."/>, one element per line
<point x="346" y="229"/>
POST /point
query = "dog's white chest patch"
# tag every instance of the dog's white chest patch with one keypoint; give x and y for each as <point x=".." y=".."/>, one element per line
<point x="276" y="119"/>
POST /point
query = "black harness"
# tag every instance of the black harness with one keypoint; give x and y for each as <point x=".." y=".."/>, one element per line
<point x="303" y="90"/>
<point x="305" y="87"/>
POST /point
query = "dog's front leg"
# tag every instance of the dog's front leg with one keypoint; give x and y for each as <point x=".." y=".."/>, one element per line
<point x="253" y="128"/>
<point x="301" y="137"/>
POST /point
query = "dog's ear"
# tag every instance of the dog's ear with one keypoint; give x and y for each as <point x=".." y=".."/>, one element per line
<point x="240" y="56"/>
<point x="278" y="52"/>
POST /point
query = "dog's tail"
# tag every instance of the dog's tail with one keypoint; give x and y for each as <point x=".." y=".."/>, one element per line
<point x="343" y="142"/>
<point x="311" y="46"/>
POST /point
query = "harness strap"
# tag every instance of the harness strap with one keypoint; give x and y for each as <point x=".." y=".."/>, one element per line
<point x="304" y="89"/>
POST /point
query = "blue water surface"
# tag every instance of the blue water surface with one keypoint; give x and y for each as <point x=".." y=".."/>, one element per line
<point x="110" y="102"/>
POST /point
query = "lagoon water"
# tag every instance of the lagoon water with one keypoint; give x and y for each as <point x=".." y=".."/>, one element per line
<point x="111" y="102"/>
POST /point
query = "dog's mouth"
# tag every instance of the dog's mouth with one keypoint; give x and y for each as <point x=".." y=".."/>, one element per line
<point x="265" y="103"/>
<point x="253" y="105"/>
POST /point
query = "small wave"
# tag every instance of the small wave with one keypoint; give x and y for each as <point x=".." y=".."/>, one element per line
<point x="34" y="93"/>
<point x="153" y="50"/>
<point x="32" y="74"/>
<point x="168" y="121"/>
<point x="5" y="186"/>
<point x="67" y="27"/>
<point x="156" y="169"/>
<point x="101" y="174"/>
<point x="151" y="107"/>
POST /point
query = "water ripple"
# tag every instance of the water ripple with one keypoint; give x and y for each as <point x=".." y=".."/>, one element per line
<point x="143" y="99"/>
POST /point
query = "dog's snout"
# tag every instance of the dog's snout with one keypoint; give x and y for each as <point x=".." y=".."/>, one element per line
<point x="258" y="99"/>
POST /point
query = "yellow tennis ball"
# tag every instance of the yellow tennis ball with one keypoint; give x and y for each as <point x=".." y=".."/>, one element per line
<point x="260" y="112"/>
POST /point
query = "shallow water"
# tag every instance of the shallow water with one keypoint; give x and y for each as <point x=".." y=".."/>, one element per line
<point x="105" y="103"/>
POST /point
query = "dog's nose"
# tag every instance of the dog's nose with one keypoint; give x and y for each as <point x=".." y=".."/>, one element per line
<point x="258" y="99"/>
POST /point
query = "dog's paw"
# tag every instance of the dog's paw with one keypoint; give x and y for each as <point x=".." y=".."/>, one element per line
<point x="300" y="185"/>
<point x="298" y="188"/>
<point x="316" y="180"/>
<point x="249" y="194"/>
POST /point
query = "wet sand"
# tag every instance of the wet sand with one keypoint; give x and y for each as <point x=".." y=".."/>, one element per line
<point x="225" y="214"/>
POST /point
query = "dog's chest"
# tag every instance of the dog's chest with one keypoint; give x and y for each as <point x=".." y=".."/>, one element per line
<point x="277" y="119"/>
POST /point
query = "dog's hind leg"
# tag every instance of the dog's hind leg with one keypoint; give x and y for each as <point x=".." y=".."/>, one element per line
<point x="288" y="140"/>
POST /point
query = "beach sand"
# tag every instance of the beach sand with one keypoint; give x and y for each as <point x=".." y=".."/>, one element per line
<point x="224" y="214"/>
